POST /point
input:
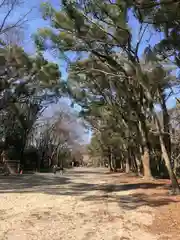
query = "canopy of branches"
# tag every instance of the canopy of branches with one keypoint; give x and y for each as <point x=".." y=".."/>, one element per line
<point x="117" y="88"/>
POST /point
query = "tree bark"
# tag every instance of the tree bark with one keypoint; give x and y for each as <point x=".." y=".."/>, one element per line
<point x="127" y="165"/>
<point x="142" y="79"/>
<point x="138" y="164"/>
<point x="175" y="167"/>
<point x="166" y="123"/>
<point x="174" y="182"/>
<point x="146" y="163"/>
<point x="113" y="163"/>
<point x="121" y="163"/>
<point x="127" y="170"/>
<point x="145" y="151"/>
<point x="110" y="165"/>
<point x="110" y="160"/>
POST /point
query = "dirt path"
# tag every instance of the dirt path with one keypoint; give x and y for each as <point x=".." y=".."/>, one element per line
<point x="84" y="204"/>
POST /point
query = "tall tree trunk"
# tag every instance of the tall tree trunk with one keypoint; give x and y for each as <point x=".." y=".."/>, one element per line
<point x="114" y="162"/>
<point x="127" y="162"/>
<point x="121" y="162"/>
<point x="174" y="182"/>
<point x="145" y="150"/>
<point x="176" y="163"/>
<point x="110" y="164"/>
<point x="133" y="165"/>
<point x="142" y="79"/>
<point x="166" y="123"/>
<point x="110" y="160"/>
<point x="138" y="163"/>
<point x="127" y="165"/>
<point x="146" y="163"/>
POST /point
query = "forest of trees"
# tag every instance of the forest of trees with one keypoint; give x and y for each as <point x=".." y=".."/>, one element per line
<point x="118" y="80"/>
<point x="118" y="76"/>
<point x="29" y="84"/>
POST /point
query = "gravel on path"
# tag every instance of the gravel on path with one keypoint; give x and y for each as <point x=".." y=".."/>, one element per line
<point x="83" y="204"/>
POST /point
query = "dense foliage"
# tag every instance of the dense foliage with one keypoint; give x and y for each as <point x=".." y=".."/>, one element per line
<point x="116" y="87"/>
<point x="116" y="76"/>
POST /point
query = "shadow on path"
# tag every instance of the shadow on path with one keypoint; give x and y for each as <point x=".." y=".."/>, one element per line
<point x="30" y="183"/>
<point x="133" y="201"/>
<point x="67" y="185"/>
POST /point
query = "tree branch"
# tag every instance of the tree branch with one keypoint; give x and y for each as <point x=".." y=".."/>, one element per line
<point x="156" y="4"/>
<point x="7" y="15"/>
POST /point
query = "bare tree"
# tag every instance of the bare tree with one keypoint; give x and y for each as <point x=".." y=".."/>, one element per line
<point x="11" y="28"/>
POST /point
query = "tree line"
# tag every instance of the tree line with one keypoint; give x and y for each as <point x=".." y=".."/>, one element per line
<point x="117" y="77"/>
<point x="117" y="87"/>
<point x="28" y="85"/>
